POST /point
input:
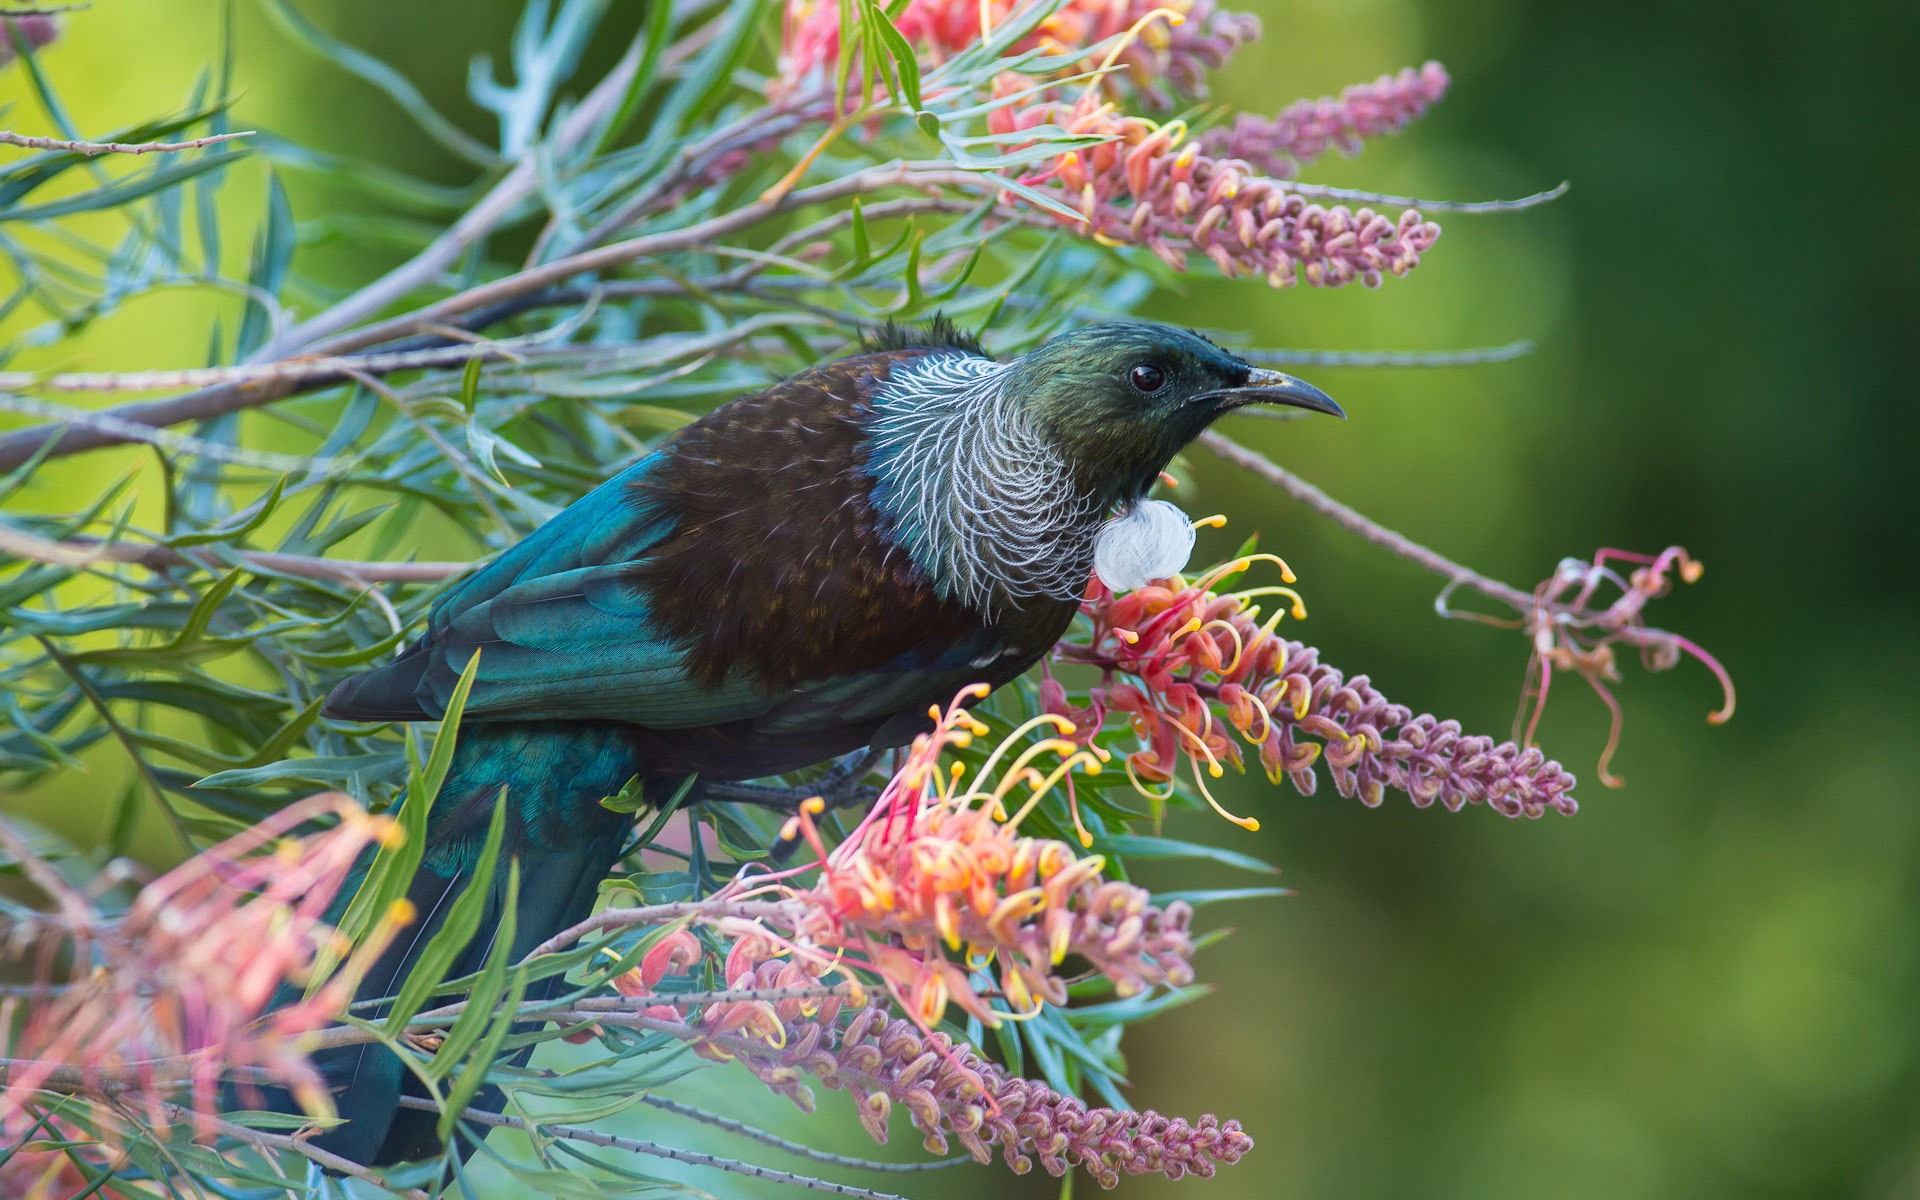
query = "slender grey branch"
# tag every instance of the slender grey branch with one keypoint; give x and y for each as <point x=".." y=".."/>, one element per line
<point x="280" y="1141"/>
<point x="91" y="149"/>
<point x="86" y="551"/>
<point x="799" y="1149"/>
<point x="476" y="223"/>
<point x="1390" y="358"/>
<point x="1354" y="521"/>
<point x="1457" y="206"/>
<point x="593" y="1137"/>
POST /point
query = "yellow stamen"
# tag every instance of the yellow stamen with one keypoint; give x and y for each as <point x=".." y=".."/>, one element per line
<point x="1079" y="758"/>
<point x="1247" y="823"/>
<point x="1239" y="647"/>
<point x="1059" y="723"/>
<point x="1173" y="16"/>
<point x="1133" y="777"/>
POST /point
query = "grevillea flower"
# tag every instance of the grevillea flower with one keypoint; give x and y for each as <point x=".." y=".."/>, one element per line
<point x="1173" y="44"/>
<point x="937" y="883"/>
<point x="1304" y="130"/>
<point x="173" y="995"/>
<point x="1188" y="665"/>
<point x="947" y="1090"/>
<point x="1141" y="186"/>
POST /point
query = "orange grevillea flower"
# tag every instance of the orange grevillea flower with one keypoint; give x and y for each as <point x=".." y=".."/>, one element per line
<point x="938" y="883"/>
<point x="173" y="996"/>
<point x="1199" y="674"/>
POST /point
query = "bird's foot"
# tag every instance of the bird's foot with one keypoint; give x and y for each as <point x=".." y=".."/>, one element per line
<point x="839" y="786"/>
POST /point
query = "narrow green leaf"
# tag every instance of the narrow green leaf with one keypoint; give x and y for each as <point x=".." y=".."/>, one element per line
<point x="1200" y="897"/>
<point x="1137" y="846"/>
<point x="384" y="78"/>
<point x="471" y="1079"/>
<point x="393" y="868"/>
<point x="485" y="993"/>
<point x="449" y="942"/>
<point x="124" y="191"/>
<point x="239" y="525"/>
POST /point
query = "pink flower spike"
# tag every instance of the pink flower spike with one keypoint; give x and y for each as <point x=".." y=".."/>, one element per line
<point x="1304" y="130"/>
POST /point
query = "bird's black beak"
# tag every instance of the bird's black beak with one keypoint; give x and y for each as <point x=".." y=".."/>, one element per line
<point x="1275" y="387"/>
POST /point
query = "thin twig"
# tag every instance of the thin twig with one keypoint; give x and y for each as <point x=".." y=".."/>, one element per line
<point x="86" y="551"/>
<point x="638" y="1146"/>
<point x="92" y="149"/>
<point x="42" y="10"/>
<point x="1352" y="520"/>
<point x="1389" y="358"/>
<point x="799" y="1149"/>
<point x="655" y="914"/>
<point x="75" y="424"/>
<point x="292" y="370"/>
<point x="1454" y="206"/>
<point x="279" y="1141"/>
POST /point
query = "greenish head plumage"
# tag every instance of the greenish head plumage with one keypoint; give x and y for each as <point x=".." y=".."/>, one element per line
<point x="1121" y="399"/>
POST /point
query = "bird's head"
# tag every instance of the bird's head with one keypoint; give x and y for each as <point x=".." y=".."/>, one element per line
<point x="1121" y="399"/>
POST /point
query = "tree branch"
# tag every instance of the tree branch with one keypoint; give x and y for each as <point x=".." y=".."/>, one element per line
<point x="1355" y="522"/>
<point x="91" y="149"/>
<point x="86" y="551"/>
<point x="593" y="1137"/>
<point x="511" y="290"/>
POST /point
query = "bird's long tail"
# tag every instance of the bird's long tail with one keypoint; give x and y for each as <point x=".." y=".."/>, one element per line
<point x="555" y="774"/>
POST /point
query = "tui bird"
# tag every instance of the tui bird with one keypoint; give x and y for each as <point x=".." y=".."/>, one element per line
<point x="796" y="576"/>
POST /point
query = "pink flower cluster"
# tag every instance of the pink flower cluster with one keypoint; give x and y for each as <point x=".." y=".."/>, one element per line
<point x="1305" y="129"/>
<point x="37" y="30"/>
<point x="947" y="1090"/>
<point x="1161" y="56"/>
<point x="1186" y="665"/>
<point x="937" y="884"/>
<point x="1140" y="187"/>
<point x="174" y="994"/>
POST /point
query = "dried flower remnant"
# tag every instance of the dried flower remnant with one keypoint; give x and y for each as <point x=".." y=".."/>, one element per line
<point x="173" y="995"/>
<point x="1305" y="129"/>
<point x="1569" y="634"/>
<point x="1186" y="664"/>
<point x="947" y="1090"/>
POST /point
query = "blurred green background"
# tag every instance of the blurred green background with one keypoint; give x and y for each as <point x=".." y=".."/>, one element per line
<point x="1706" y="983"/>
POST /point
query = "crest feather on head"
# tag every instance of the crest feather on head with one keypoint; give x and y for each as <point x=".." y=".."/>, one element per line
<point x="939" y="333"/>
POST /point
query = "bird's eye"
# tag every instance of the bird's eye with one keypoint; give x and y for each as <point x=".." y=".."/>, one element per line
<point x="1147" y="378"/>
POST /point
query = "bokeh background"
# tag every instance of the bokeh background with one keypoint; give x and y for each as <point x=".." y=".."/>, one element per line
<point x="1703" y="985"/>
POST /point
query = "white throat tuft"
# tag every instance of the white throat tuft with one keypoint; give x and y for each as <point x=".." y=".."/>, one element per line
<point x="1149" y="541"/>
